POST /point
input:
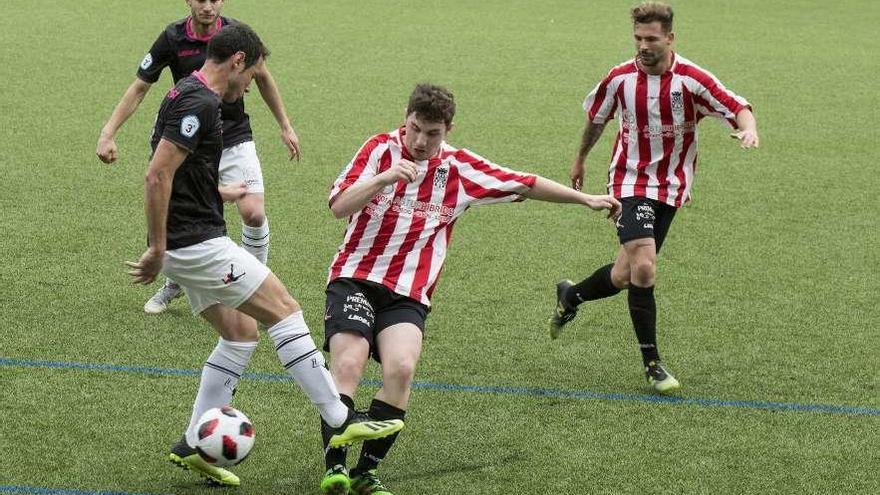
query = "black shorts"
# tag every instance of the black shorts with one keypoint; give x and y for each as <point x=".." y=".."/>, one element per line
<point x="641" y="218"/>
<point x="367" y="308"/>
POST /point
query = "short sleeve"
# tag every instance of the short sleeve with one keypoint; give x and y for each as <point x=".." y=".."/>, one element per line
<point x="711" y="98"/>
<point x="484" y="182"/>
<point x="362" y="167"/>
<point x="159" y="57"/>
<point x="188" y="117"/>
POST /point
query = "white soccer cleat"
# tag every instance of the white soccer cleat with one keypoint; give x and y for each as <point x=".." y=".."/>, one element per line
<point x="159" y="302"/>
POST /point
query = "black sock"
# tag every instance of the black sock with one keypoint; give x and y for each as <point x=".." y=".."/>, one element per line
<point x="596" y="286"/>
<point x="374" y="451"/>
<point x="333" y="457"/>
<point x="643" y="311"/>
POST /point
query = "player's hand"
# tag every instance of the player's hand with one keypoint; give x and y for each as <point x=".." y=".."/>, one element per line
<point x="233" y="192"/>
<point x="577" y="174"/>
<point x="106" y="151"/>
<point x="400" y="170"/>
<point x="604" y="202"/>
<point x="291" y="141"/>
<point x="146" y="269"/>
<point x="747" y="139"/>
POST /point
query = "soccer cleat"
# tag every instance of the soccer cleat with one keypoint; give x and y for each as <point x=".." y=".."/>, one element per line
<point x="186" y="457"/>
<point x="367" y="483"/>
<point x="335" y="481"/>
<point x="159" y="302"/>
<point x="360" y="427"/>
<point x="660" y="379"/>
<point x="563" y="312"/>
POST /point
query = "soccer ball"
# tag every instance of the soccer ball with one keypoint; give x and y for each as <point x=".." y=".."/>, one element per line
<point x="225" y="436"/>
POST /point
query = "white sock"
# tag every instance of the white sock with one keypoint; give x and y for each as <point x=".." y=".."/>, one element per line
<point x="305" y="363"/>
<point x="255" y="240"/>
<point x="220" y="375"/>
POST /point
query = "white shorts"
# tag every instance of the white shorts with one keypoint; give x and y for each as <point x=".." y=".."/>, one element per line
<point x="216" y="271"/>
<point x="240" y="163"/>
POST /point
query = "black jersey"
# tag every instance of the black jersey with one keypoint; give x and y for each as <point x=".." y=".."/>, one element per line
<point x="190" y="118"/>
<point x="183" y="51"/>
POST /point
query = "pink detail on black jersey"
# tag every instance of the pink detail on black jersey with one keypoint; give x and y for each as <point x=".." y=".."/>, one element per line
<point x="191" y="32"/>
<point x="207" y="428"/>
<point x="187" y="53"/>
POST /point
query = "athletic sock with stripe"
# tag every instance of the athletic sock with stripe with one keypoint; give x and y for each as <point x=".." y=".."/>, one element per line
<point x="220" y="375"/>
<point x="305" y="364"/>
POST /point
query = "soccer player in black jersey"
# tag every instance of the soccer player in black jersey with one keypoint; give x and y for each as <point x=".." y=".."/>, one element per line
<point x="181" y="47"/>
<point x="224" y="283"/>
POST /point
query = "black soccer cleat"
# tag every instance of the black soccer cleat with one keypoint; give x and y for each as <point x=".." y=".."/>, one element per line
<point x="563" y="312"/>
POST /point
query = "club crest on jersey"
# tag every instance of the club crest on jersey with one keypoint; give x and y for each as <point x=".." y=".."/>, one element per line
<point x="677" y="101"/>
<point x="441" y="175"/>
<point x="189" y="126"/>
<point x="147" y="61"/>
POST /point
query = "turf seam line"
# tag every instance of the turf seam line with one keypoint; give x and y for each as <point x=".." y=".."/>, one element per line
<point x="478" y="389"/>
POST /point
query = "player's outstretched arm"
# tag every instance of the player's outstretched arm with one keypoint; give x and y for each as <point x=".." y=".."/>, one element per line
<point x="157" y="192"/>
<point x="592" y="132"/>
<point x="548" y="190"/>
<point x="134" y="95"/>
<point x="272" y="96"/>
<point x="748" y="129"/>
<point x="351" y="200"/>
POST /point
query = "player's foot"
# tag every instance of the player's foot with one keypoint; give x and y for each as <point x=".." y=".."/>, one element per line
<point x="368" y="483"/>
<point x="159" y="302"/>
<point x="659" y="379"/>
<point x="360" y="427"/>
<point x="184" y="456"/>
<point x="335" y="481"/>
<point x="563" y="312"/>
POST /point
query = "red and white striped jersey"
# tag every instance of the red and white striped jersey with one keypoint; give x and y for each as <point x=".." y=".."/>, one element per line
<point x="655" y="153"/>
<point x="400" y="238"/>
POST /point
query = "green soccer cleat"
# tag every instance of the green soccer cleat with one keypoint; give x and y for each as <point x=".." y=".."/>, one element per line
<point x="659" y="379"/>
<point x="368" y="483"/>
<point x="563" y="312"/>
<point x="335" y="481"/>
<point x="186" y="457"/>
<point x="360" y="427"/>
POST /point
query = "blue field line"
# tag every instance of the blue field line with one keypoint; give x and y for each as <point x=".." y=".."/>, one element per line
<point x="493" y="390"/>
<point x="55" y="491"/>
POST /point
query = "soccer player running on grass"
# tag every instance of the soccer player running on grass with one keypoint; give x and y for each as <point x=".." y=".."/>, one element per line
<point x="224" y="283"/>
<point x="402" y="194"/>
<point x="181" y="47"/>
<point x="659" y="98"/>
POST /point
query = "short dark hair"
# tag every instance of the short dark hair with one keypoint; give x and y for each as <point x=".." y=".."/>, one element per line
<point x="432" y="103"/>
<point x="236" y="38"/>
<point x="649" y="12"/>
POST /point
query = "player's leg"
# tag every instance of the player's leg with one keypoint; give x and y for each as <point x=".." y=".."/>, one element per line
<point x="220" y="375"/>
<point x="608" y="280"/>
<point x="349" y="353"/>
<point x="400" y="348"/>
<point x="240" y="163"/>
<point x="348" y="335"/>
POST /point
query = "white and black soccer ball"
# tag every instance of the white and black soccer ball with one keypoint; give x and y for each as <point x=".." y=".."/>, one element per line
<point x="225" y="436"/>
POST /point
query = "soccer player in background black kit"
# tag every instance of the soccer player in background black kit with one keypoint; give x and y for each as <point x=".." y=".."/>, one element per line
<point x="181" y="47"/>
<point x="224" y="283"/>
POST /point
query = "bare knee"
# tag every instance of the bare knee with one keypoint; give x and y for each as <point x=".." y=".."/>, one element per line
<point x="643" y="272"/>
<point x="398" y="372"/>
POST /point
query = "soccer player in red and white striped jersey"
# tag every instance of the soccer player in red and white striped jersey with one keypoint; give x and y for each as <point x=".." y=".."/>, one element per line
<point x="659" y="97"/>
<point x="402" y="194"/>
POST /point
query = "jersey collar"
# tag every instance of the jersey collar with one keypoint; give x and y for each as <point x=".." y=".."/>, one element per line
<point x="191" y="32"/>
